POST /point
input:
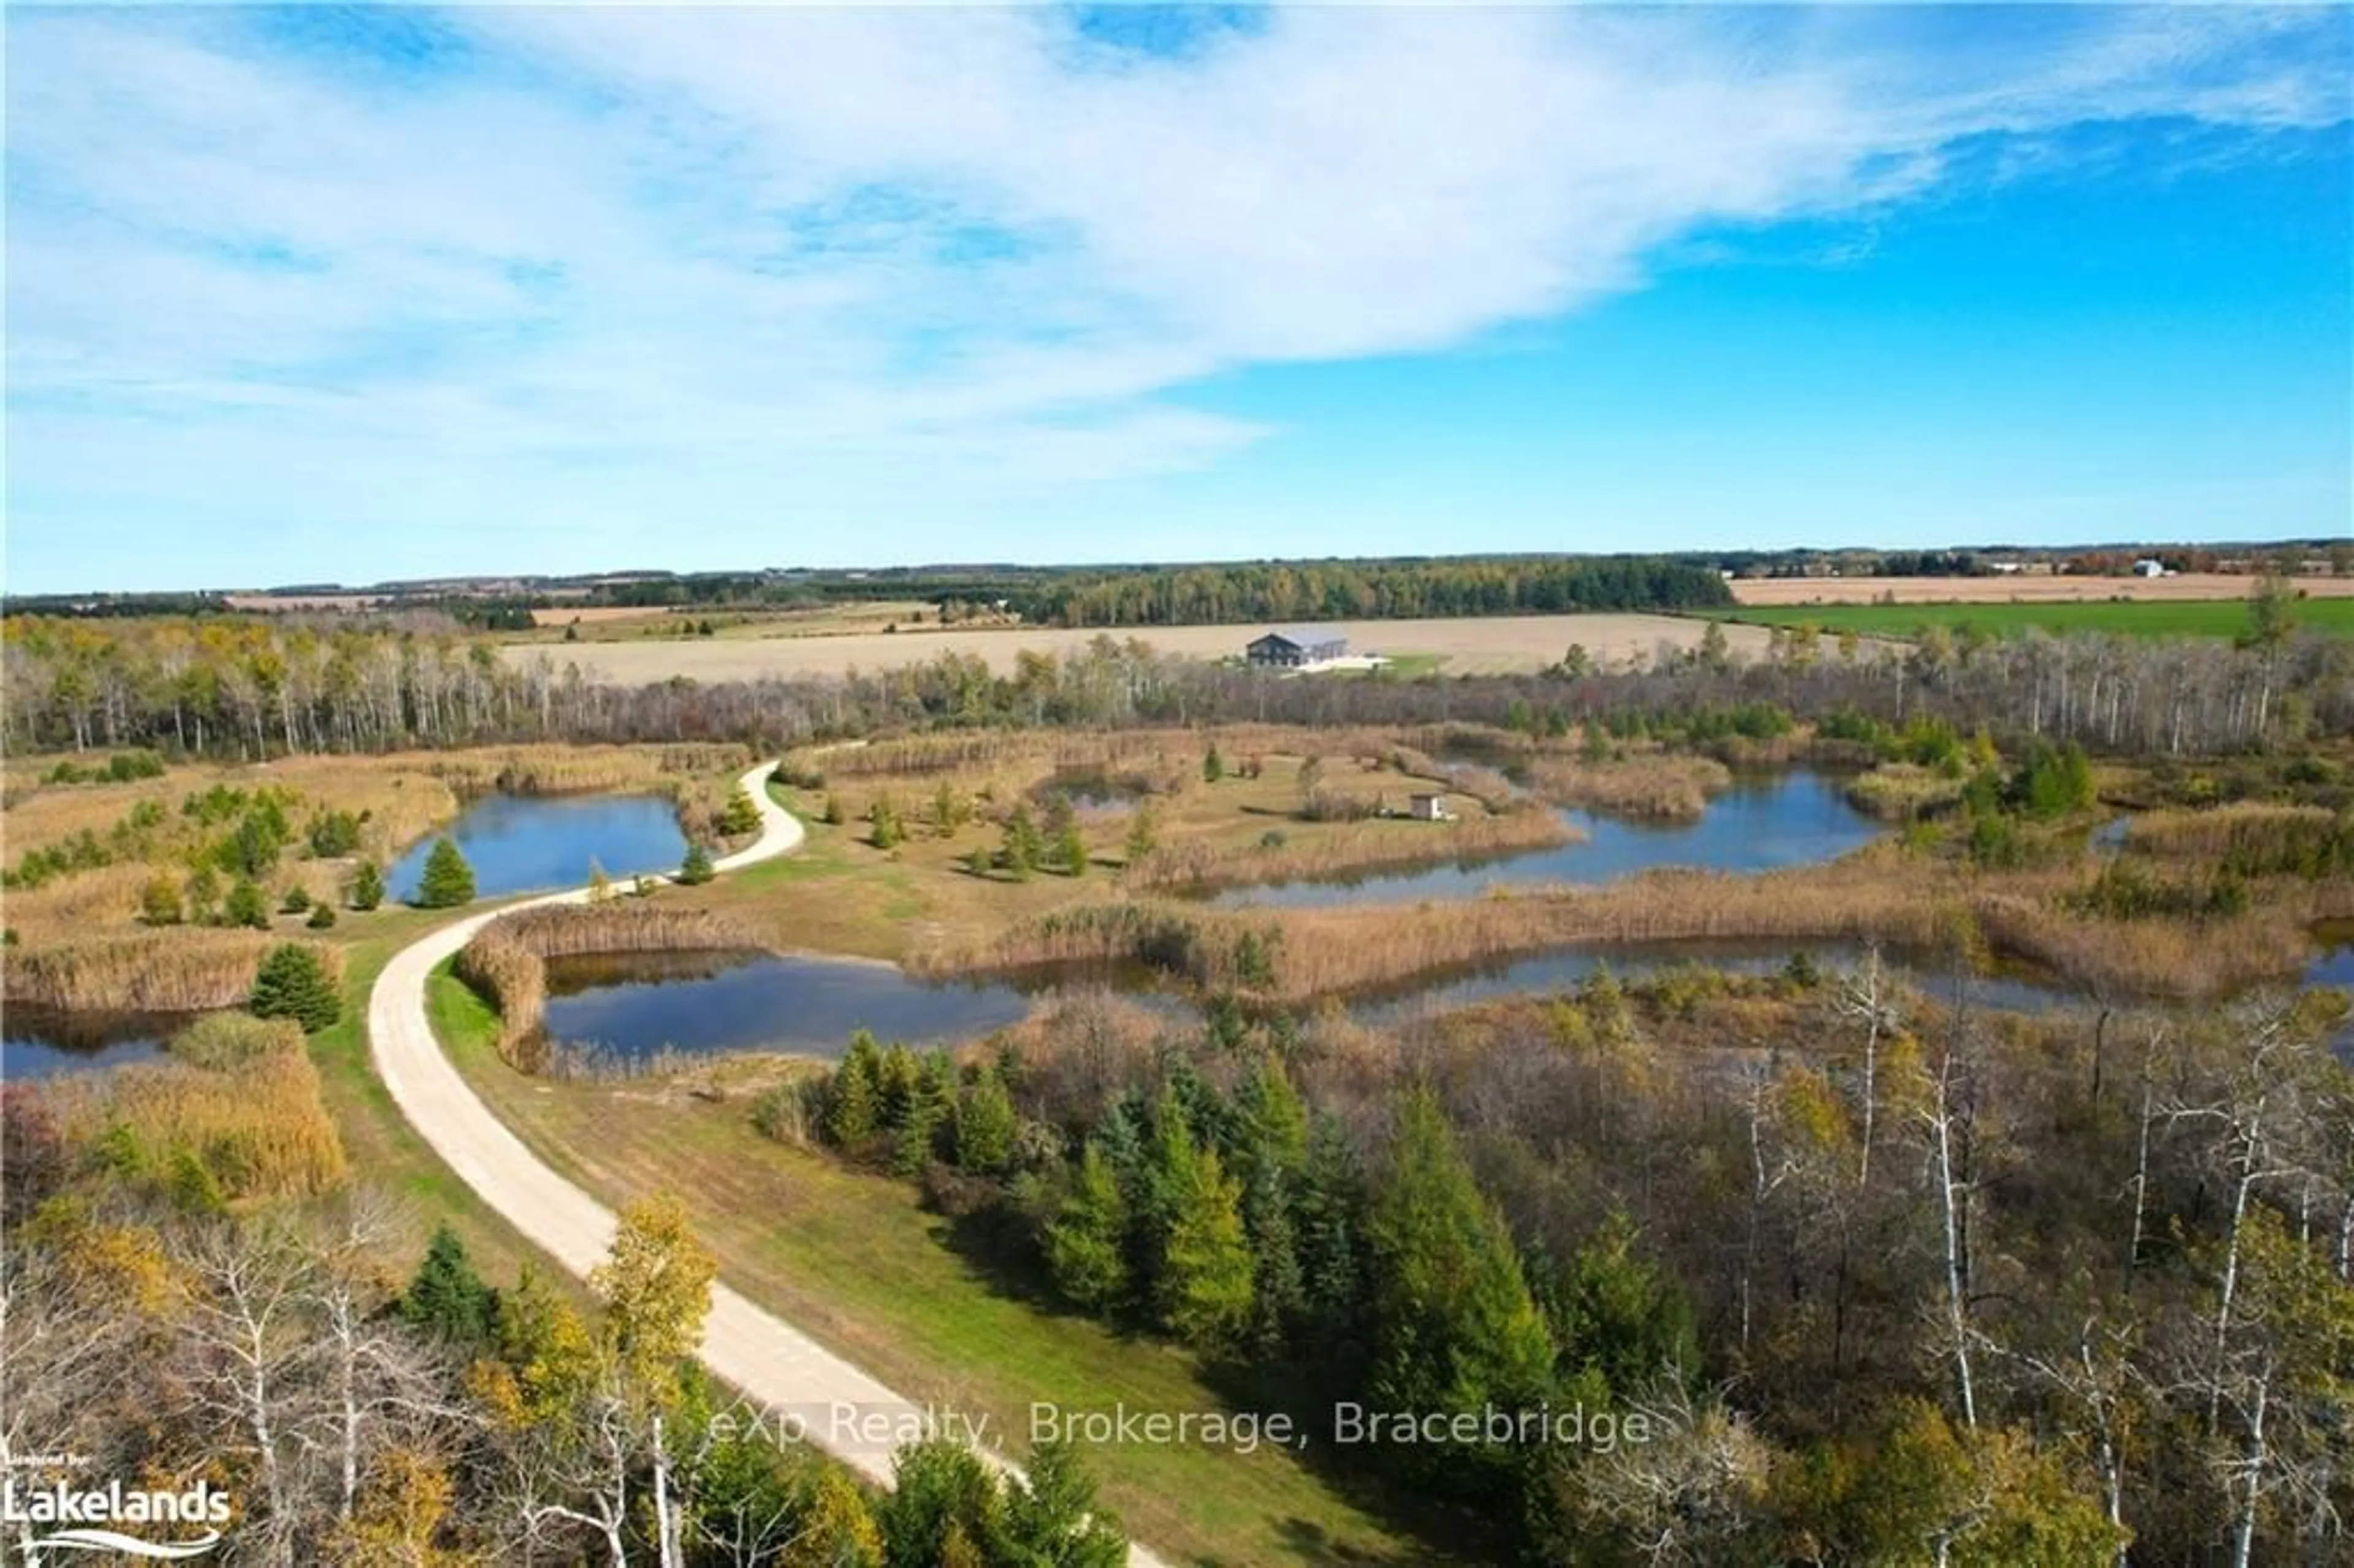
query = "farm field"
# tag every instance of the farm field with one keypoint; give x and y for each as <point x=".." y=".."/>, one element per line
<point x="1772" y="591"/>
<point x="619" y="623"/>
<point x="1464" y="646"/>
<point x="2144" y="617"/>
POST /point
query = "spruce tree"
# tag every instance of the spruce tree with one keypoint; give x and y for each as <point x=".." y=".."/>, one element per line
<point x="740" y="816"/>
<point x="448" y="882"/>
<point x="1053" y="1517"/>
<point x="1214" y="767"/>
<point x="1086" y="1243"/>
<point x="853" y="1101"/>
<point x="1020" y="851"/>
<point x="1071" y="850"/>
<point x="1455" y="1327"/>
<point x="696" y="868"/>
<point x="293" y="983"/>
<point x="1207" y="1286"/>
<point x="447" y="1297"/>
<point x="1141" y="833"/>
<point x="368" y="886"/>
<point x="986" y="1125"/>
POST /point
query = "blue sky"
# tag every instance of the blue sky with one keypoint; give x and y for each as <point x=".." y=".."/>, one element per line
<point x="322" y="293"/>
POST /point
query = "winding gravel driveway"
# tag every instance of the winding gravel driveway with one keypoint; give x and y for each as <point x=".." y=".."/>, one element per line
<point x="774" y="1365"/>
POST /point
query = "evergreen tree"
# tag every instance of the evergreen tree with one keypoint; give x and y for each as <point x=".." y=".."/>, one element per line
<point x="986" y="1125"/>
<point x="942" y="1500"/>
<point x="949" y="809"/>
<point x="1279" y="1288"/>
<point x="448" y="881"/>
<point x="1143" y="833"/>
<point x="1614" y="1313"/>
<point x="929" y="1109"/>
<point x="293" y="983"/>
<point x="1053" y="1517"/>
<point x="1087" y="1243"/>
<point x="896" y="1076"/>
<point x="368" y="886"/>
<point x="740" y="816"/>
<point x="159" y="901"/>
<point x="447" y="1298"/>
<point x="853" y="1108"/>
<point x="1206" y="1276"/>
<point x="1020" y="851"/>
<point x="323" y="917"/>
<point x="245" y="905"/>
<point x="1272" y="1122"/>
<point x="1071" y="850"/>
<point x="696" y="868"/>
<point x="1455" y="1327"/>
<point x="1214" y="767"/>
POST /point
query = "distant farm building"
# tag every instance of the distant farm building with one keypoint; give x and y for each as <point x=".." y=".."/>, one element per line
<point x="1428" y="808"/>
<point x="2150" y="569"/>
<point x="1297" y="645"/>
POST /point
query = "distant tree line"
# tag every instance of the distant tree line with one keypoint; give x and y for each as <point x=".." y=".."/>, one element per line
<point x="253" y="688"/>
<point x="1346" y="590"/>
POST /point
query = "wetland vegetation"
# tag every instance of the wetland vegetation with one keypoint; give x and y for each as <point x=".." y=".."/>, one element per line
<point x="1726" y="1014"/>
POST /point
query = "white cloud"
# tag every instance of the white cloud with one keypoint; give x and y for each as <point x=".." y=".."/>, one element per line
<point x="620" y="265"/>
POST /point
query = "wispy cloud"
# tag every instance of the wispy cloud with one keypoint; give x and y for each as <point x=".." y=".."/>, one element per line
<point x="613" y="275"/>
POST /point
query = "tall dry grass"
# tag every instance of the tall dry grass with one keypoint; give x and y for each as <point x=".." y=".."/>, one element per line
<point x="1371" y="845"/>
<point x="254" y="1122"/>
<point x="175" y="970"/>
<point x="506" y="962"/>
<point x="2217" y="830"/>
<point x="1903" y="792"/>
<point x="2182" y="959"/>
<point x="1661" y="785"/>
<point x="1881" y="895"/>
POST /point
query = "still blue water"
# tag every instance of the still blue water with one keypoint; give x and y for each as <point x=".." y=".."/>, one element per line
<point x="525" y="843"/>
<point x="1760" y="824"/>
<point x="636" y="1004"/>
<point x="36" y="1042"/>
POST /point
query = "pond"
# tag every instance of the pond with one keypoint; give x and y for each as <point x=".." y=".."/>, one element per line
<point x="634" y="1004"/>
<point x="519" y="844"/>
<point x="36" y="1042"/>
<point x="1565" y="968"/>
<point x="1761" y="824"/>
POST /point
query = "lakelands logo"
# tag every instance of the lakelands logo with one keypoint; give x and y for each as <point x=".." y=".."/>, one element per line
<point x="91" y="1516"/>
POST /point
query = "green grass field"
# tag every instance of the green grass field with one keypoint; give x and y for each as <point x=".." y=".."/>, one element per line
<point x="2137" y="618"/>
